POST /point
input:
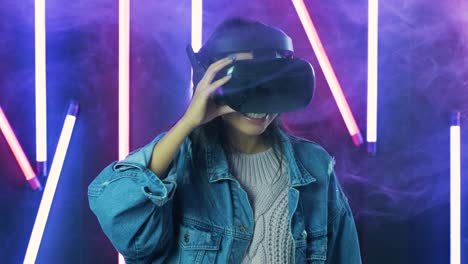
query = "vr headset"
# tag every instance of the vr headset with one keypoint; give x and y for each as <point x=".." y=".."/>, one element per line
<point x="272" y="82"/>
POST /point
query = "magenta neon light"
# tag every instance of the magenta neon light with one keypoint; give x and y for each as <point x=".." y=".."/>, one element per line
<point x="328" y="71"/>
<point x="18" y="152"/>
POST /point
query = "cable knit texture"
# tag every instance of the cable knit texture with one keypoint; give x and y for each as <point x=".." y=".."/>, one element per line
<point x="268" y="194"/>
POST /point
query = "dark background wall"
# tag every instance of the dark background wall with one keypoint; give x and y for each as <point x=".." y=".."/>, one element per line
<point x="400" y="198"/>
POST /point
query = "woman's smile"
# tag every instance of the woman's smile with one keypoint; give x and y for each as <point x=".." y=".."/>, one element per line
<point x="256" y="120"/>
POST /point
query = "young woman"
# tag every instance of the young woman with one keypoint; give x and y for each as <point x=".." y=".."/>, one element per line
<point x="223" y="186"/>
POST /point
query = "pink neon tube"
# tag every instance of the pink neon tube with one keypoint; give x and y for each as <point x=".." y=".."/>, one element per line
<point x="18" y="152"/>
<point x="328" y="72"/>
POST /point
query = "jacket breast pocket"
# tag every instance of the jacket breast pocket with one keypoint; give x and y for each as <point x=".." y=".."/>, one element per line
<point x="312" y="248"/>
<point x="198" y="245"/>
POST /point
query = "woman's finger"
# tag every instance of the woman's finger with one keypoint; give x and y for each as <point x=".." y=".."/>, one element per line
<point x="208" y="76"/>
<point x="215" y="68"/>
<point x="221" y="61"/>
<point x="212" y="87"/>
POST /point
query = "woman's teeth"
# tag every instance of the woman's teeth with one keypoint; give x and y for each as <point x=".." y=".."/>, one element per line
<point x="255" y="115"/>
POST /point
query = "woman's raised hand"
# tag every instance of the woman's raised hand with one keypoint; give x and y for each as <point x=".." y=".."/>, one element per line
<point x="202" y="108"/>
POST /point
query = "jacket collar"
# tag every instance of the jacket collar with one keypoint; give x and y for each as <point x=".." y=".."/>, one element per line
<point x="217" y="166"/>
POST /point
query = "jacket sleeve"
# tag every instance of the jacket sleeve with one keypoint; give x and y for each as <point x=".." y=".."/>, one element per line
<point x="343" y="242"/>
<point x="134" y="206"/>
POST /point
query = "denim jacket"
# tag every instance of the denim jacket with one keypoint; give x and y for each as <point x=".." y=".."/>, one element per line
<point x="204" y="215"/>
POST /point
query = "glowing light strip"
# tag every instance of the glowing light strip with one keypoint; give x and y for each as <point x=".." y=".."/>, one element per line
<point x="124" y="83"/>
<point x="455" y="191"/>
<point x="51" y="185"/>
<point x="124" y="77"/>
<point x="328" y="71"/>
<point x="18" y="152"/>
<point x="40" y="64"/>
<point x="197" y="26"/>
<point x="372" y="67"/>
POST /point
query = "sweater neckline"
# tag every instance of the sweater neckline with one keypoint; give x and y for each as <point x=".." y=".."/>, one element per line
<point x="253" y="155"/>
<point x="256" y="168"/>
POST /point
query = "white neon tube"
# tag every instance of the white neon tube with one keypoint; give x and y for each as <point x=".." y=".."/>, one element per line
<point x="372" y="76"/>
<point x="124" y="77"/>
<point x="40" y="68"/>
<point x="455" y="190"/>
<point x="197" y="27"/>
<point x="51" y="185"/>
<point x="197" y="24"/>
<point x="124" y="83"/>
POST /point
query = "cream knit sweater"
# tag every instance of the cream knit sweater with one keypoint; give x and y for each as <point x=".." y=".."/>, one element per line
<point x="268" y="194"/>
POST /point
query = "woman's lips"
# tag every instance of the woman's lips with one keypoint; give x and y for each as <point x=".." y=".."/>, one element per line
<point x="257" y="121"/>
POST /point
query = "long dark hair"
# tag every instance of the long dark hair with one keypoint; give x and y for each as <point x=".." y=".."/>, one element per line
<point x="214" y="132"/>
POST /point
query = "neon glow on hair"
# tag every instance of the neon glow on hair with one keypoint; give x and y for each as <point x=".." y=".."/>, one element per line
<point x="40" y="67"/>
<point x="197" y="26"/>
<point x="328" y="71"/>
<point x="372" y="66"/>
<point x="18" y="151"/>
<point x="51" y="185"/>
<point x="455" y="190"/>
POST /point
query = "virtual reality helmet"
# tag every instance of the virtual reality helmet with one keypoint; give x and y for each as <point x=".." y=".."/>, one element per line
<point x="272" y="82"/>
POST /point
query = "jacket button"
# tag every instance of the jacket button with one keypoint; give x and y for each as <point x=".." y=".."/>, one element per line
<point x="186" y="237"/>
<point x="242" y="228"/>
<point x="304" y="234"/>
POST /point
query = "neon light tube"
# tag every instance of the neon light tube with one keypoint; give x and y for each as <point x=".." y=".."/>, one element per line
<point x="124" y="83"/>
<point x="121" y="259"/>
<point x="40" y="66"/>
<point x="455" y="190"/>
<point x="18" y="152"/>
<point x="328" y="71"/>
<point x="372" y="67"/>
<point x="51" y="185"/>
<point x="124" y="77"/>
<point x="197" y="26"/>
